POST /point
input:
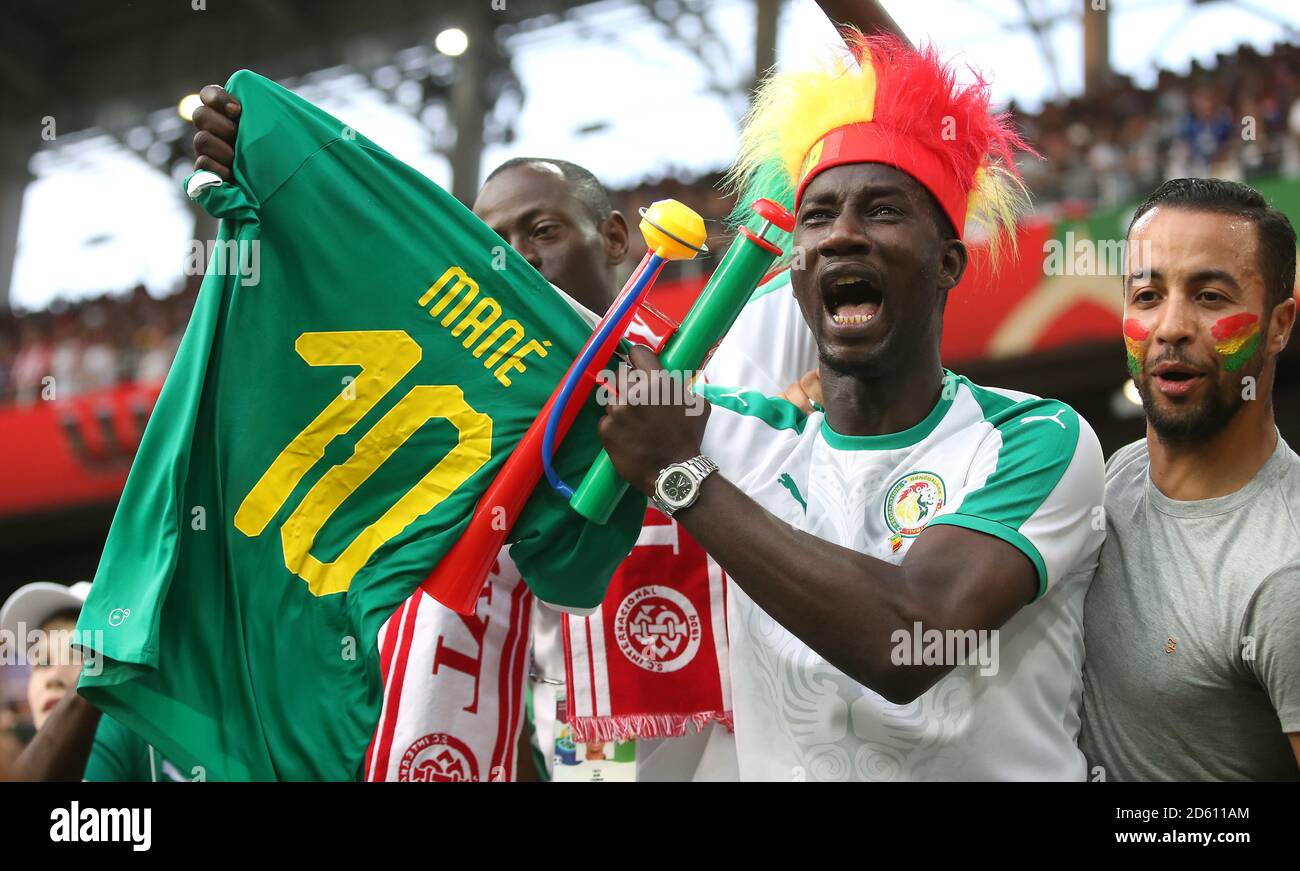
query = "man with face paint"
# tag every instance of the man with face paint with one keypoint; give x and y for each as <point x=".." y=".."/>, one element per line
<point x="1193" y="619"/>
<point x="909" y="561"/>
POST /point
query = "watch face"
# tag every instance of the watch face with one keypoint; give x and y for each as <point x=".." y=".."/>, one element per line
<point x="677" y="487"/>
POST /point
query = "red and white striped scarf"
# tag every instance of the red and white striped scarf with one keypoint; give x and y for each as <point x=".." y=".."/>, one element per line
<point x="649" y="663"/>
<point x="454" y="685"/>
<point x="653" y="659"/>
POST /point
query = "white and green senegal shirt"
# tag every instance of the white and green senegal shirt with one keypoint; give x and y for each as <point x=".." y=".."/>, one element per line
<point x="1026" y="470"/>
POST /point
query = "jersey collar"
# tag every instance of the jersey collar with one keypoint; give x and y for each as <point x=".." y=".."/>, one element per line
<point x="894" y="440"/>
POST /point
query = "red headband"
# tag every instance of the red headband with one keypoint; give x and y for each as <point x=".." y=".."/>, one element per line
<point x="873" y="143"/>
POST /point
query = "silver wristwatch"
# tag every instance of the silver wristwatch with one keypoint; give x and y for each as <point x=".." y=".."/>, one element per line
<point x="678" y="485"/>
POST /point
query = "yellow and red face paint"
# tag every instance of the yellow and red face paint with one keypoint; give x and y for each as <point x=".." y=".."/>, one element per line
<point x="1236" y="338"/>
<point x="1135" y="337"/>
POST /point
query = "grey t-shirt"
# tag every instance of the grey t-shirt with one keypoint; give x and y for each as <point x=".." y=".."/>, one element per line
<point x="1192" y="629"/>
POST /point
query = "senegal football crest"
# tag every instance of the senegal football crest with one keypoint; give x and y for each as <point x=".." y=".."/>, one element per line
<point x="913" y="502"/>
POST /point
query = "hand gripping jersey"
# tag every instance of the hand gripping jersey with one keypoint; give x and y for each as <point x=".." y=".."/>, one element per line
<point x="1006" y="464"/>
<point x="363" y="356"/>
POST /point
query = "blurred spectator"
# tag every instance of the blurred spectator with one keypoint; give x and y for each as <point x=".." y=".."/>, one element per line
<point x="92" y="344"/>
<point x="1239" y="120"/>
<point x="72" y="741"/>
<point x="32" y="362"/>
<point x="16" y="727"/>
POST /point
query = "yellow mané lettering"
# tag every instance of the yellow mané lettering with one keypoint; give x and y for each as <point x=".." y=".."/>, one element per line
<point x="506" y="347"/>
<point x="478" y="325"/>
<point x="462" y="281"/>
<point x="514" y="360"/>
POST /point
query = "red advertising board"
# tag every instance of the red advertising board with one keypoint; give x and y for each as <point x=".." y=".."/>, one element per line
<point x="75" y="451"/>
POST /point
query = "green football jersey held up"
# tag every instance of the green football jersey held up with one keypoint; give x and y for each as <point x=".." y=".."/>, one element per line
<point x="363" y="356"/>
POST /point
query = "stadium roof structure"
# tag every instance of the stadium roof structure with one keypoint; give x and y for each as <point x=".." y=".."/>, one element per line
<point x="82" y="65"/>
<point x="80" y="58"/>
<point x="108" y="65"/>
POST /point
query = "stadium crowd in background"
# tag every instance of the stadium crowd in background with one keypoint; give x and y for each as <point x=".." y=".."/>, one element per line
<point x="1236" y="120"/>
<point x="1099" y="151"/>
<point x="92" y="344"/>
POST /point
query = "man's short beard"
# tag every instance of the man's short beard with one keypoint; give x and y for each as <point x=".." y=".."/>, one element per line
<point x="883" y="362"/>
<point x="894" y="356"/>
<point x="1195" y="424"/>
<point x="870" y="369"/>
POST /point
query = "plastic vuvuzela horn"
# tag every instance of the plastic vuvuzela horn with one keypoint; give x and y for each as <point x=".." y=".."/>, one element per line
<point x="716" y="309"/>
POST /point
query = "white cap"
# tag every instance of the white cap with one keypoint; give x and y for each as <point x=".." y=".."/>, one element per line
<point x="33" y="604"/>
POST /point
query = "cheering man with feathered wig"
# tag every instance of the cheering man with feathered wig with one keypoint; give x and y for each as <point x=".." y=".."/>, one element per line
<point x="910" y="560"/>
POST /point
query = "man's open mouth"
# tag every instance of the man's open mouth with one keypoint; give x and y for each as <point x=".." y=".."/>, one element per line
<point x="1175" y="372"/>
<point x="1175" y="379"/>
<point x="852" y="296"/>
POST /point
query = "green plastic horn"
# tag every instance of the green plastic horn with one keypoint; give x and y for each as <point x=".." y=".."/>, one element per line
<point x="714" y="311"/>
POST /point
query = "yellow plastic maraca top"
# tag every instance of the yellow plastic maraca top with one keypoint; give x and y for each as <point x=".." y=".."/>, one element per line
<point x="673" y="230"/>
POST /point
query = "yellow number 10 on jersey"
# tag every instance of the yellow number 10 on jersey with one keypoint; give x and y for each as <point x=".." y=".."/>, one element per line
<point x="385" y="358"/>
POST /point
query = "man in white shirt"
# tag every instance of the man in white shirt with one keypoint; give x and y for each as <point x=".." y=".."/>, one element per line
<point x="908" y="562"/>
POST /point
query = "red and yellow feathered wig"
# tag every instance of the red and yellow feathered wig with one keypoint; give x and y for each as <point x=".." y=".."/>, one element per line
<point x="882" y="101"/>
